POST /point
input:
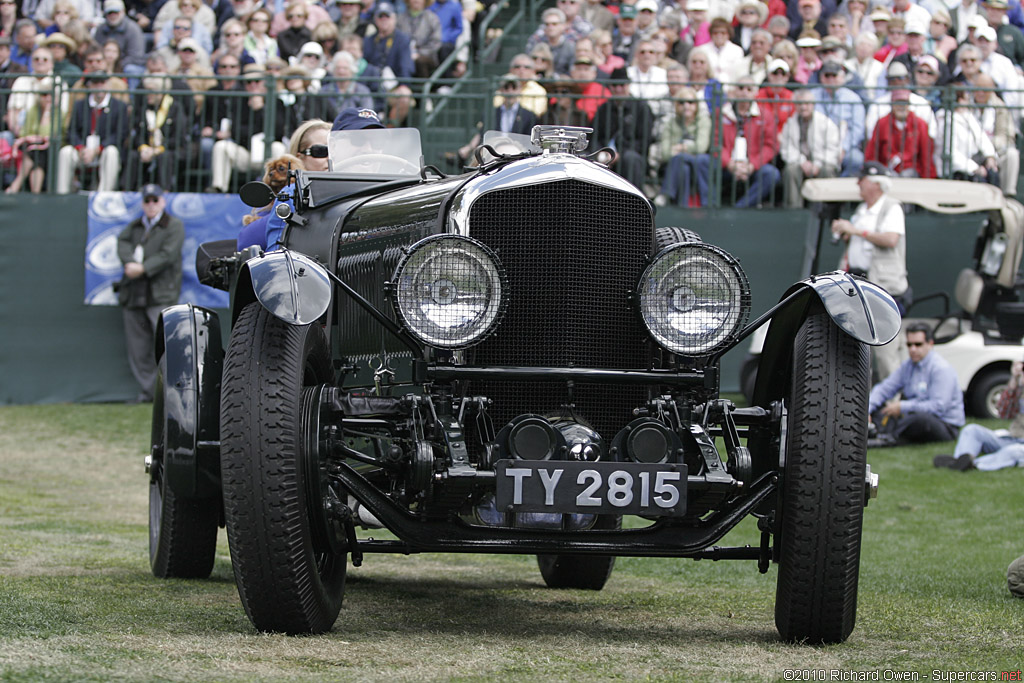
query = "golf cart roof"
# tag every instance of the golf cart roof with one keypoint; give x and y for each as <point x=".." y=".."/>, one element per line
<point x="940" y="196"/>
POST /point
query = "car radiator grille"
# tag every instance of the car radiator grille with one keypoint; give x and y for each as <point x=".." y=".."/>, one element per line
<point x="573" y="252"/>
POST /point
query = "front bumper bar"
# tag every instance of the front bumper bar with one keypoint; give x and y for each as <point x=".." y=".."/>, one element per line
<point x="664" y="538"/>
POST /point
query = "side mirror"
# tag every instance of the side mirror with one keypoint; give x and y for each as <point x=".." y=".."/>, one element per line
<point x="256" y="194"/>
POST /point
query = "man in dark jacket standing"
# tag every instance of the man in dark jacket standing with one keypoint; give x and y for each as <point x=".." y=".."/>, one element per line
<point x="625" y="124"/>
<point x="150" y="249"/>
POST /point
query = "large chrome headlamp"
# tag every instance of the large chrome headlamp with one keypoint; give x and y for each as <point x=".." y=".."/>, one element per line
<point x="694" y="298"/>
<point x="449" y="291"/>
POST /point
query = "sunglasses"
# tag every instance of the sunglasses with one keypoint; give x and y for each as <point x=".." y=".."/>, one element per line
<point x="913" y="344"/>
<point x="182" y="28"/>
<point x="925" y="72"/>
<point x="233" y="34"/>
<point x="151" y="200"/>
<point x="230" y="66"/>
<point x="296" y="16"/>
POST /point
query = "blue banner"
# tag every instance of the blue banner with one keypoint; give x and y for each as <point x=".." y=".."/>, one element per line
<point x="207" y="217"/>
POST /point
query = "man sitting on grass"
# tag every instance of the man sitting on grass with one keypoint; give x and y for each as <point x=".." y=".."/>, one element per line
<point x="932" y="405"/>
<point x="985" y="449"/>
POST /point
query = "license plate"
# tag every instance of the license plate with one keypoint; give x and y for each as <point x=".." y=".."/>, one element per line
<point x="621" y="488"/>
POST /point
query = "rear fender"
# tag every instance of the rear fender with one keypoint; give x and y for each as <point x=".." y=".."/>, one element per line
<point x="860" y="308"/>
<point x="188" y="337"/>
<point x="292" y="286"/>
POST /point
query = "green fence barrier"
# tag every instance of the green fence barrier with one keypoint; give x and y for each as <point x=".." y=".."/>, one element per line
<point x="56" y="349"/>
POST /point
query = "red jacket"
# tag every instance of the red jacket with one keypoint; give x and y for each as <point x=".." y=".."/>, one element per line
<point x="912" y="145"/>
<point x="592" y="97"/>
<point x="777" y="101"/>
<point x="762" y="139"/>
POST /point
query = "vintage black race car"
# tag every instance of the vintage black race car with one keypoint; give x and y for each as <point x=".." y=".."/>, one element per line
<point x="505" y="361"/>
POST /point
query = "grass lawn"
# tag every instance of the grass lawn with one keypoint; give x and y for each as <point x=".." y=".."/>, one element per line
<point x="77" y="601"/>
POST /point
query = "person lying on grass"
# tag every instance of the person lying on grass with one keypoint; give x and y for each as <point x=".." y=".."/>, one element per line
<point x="981" y="448"/>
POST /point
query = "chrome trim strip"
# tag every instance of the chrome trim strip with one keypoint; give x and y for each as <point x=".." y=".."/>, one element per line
<point x="545" y="168"/>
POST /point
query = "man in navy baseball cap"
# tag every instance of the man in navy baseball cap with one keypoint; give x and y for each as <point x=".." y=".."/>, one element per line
<point x="352" y="118"/>
<point x="152" y="191"/>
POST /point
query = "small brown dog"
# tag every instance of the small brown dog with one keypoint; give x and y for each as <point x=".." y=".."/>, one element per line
<point x="275" y="174"/>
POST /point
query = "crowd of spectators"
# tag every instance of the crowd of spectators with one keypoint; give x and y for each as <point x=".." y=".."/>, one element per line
<point x="774" y="92"/>
<point x="145" y="88"/>
<point x="777" y="92"/>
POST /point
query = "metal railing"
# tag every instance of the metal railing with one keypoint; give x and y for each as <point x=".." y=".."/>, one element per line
<point x="447" y="120"/>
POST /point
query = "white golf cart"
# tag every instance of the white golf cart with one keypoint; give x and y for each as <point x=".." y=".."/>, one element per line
<point x="982" y="336"/>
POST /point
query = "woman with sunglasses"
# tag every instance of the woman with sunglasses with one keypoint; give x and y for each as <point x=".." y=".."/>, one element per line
<point x="939" y="42"/>
<point x="291" y="39"/>
<point x="232" y="37"/>
<point x="308" y="143"/>
<point x="683" y="144"/>
<point x="327" y="35"/>
<point x="258" y="42"/>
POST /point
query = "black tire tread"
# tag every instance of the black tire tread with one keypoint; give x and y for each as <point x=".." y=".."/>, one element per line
<point x="185" y="545"/>
<point x="823" y="489"/>
<point x="666" y="236"/>
<point x="586" y="572"/>
<point x="269" y="533"/>
<point x="187" y="541"/>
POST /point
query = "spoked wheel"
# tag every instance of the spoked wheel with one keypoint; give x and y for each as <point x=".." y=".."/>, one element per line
<point x="822" y="499"/>
<point x="182" y="530"/>
<point x="589" y="572"/>
<point x="289" y="568"/>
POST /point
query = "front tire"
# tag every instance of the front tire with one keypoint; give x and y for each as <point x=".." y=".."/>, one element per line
<point x="588" y="572"/>
<point x="289" y="579"/>
<point x="822" y="498"/>
<point x="182" y="530"/>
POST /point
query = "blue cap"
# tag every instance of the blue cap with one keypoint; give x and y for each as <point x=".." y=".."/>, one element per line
<point x="152" y="190"/>
<point x="351" y="118"/>
<point x="384" y="8"/>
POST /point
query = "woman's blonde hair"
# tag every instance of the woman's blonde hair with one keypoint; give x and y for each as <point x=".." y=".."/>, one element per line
<point x="66" y="5"/>
<point x="304" y="129"/>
